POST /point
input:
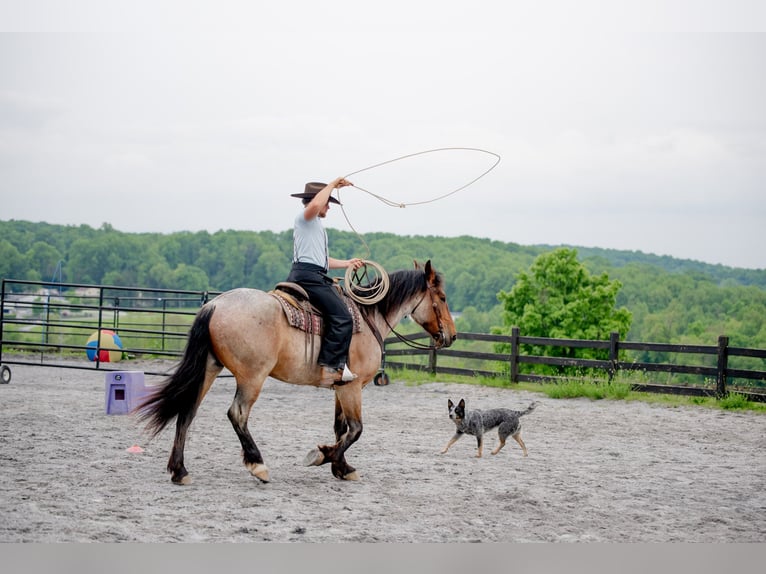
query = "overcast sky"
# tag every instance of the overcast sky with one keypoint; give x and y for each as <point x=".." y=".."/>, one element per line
<point x="636" y="126"/>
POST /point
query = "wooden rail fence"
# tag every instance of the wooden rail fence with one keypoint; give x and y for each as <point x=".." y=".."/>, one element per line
<point x="508" y="364"/>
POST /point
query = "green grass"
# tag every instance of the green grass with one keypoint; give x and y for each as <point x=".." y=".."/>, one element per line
<point x="620" y="389"/>
<point x="734" y="401"/>
<point x="571" y="389"/>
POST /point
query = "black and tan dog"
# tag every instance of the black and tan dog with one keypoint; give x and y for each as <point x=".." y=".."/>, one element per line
<point x="478" y="422"/>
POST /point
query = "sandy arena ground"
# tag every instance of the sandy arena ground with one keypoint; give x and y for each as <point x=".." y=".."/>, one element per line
<point x="597" y="470"/>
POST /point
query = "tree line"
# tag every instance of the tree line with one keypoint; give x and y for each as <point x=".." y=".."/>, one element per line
<point x="669" y="300"/>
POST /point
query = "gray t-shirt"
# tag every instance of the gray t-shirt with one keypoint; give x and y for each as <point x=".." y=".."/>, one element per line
<point x="310" y="242"/>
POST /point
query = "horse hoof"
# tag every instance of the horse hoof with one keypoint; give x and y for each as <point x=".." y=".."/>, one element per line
<point x="183" y="481"/>
<point x="259" y="471"/>
<point x="351" y="476"/>
<point x="314" y="458"/>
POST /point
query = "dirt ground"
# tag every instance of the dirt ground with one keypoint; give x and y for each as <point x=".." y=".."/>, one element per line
<point x="597" y="471"/>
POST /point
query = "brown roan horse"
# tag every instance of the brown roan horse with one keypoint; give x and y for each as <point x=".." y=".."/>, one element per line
<point x="245" y="330"/>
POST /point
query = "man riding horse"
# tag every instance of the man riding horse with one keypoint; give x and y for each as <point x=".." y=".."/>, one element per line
<point x="311" y="263"/>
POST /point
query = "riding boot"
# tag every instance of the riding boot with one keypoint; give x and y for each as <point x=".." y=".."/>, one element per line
<point x="331" y="377"/>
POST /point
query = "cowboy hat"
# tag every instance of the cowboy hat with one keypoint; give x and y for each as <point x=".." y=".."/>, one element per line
<point x="312" y="188"/>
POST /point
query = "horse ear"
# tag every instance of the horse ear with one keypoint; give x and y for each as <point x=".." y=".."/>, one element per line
<point x="430" y="275"/>
<point x="417" y="265"/>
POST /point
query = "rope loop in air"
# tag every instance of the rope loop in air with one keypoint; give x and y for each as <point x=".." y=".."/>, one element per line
<point x="391" y="203"/>
<point x="402" y="205"/>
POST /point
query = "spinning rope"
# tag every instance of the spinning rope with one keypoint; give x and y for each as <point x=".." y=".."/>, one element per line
<point x="369" y="284"/>
<point x="454" y="191"/>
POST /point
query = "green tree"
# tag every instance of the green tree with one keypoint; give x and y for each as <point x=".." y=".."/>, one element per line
<point x="189" y="277"/>
<point x="559" y="298"/>
<point x="13" y="265"/>
<point x="43" y="259"/>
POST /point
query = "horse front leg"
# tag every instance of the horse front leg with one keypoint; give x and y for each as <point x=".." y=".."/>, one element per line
<point x="340" y="425"/>
<point x="348" y="429"/>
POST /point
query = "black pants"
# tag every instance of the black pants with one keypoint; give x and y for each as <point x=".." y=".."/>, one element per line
<point x="338" y="323"/>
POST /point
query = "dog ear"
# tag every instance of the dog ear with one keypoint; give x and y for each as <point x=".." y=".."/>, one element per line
<point x="450" y="404"/>
<point x="461" y="404"/>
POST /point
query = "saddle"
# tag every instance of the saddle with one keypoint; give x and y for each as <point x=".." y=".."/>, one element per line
<point x="301" y="314"/>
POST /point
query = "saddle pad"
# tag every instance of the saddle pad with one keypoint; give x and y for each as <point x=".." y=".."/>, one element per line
<point x="305" y="317"/>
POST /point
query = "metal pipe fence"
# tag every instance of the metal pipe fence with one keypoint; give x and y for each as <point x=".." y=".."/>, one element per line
<point x="48" y="324"/>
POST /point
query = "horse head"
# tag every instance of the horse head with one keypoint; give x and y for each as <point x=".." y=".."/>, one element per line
<point x="432" y="312"/>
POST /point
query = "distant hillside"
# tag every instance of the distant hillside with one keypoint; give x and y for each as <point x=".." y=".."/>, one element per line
<point x="672" y="300"/>
<point x="620" y="258"/>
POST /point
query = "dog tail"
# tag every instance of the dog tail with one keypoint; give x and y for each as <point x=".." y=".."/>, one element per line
<point x="530" y="408"/>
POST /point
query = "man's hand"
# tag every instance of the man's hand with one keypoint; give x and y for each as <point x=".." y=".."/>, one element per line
<point x="341" y="182"/>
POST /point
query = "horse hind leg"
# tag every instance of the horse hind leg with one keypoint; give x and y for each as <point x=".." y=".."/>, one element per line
<point x="176" y="467"/>
<point x="238" y="414"/>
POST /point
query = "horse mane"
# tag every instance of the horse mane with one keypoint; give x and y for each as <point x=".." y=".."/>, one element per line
<point x="403" y="285"/>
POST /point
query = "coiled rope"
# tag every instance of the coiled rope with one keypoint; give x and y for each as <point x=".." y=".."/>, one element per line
<point x="368" y="284"/>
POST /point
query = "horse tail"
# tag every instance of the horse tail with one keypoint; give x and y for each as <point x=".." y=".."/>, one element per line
<point x="179" y="394"/>
<point x="530" y="408"/>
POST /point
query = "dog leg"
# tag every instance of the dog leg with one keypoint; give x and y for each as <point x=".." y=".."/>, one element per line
<point x="517" y="436"/>
<point x="452" y="441"/>
<point x="500" y="445"/>
<point x="480" y="440"/>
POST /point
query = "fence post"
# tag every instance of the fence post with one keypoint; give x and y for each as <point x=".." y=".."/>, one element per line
<point x="723" y="357"/>
<point x="514" y="354"/>
<point x="2" y="320"/>
<point x="116" y="318"/>
<point x="432" y="361"/>
<point x="614" y="338"/>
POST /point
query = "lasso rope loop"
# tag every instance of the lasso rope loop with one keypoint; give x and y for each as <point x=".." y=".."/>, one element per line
<point x="402" y="205"/>
<point x="368" y="284"/>
<point x="391" y="203"/>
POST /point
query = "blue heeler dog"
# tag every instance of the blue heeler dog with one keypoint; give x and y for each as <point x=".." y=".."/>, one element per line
<point x="477" y="422"/>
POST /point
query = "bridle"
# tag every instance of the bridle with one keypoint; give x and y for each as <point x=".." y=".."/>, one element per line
<point x="415" y="344"/>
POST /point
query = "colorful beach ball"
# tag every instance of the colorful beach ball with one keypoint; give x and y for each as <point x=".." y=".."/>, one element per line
<point x="111" y="347"/>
